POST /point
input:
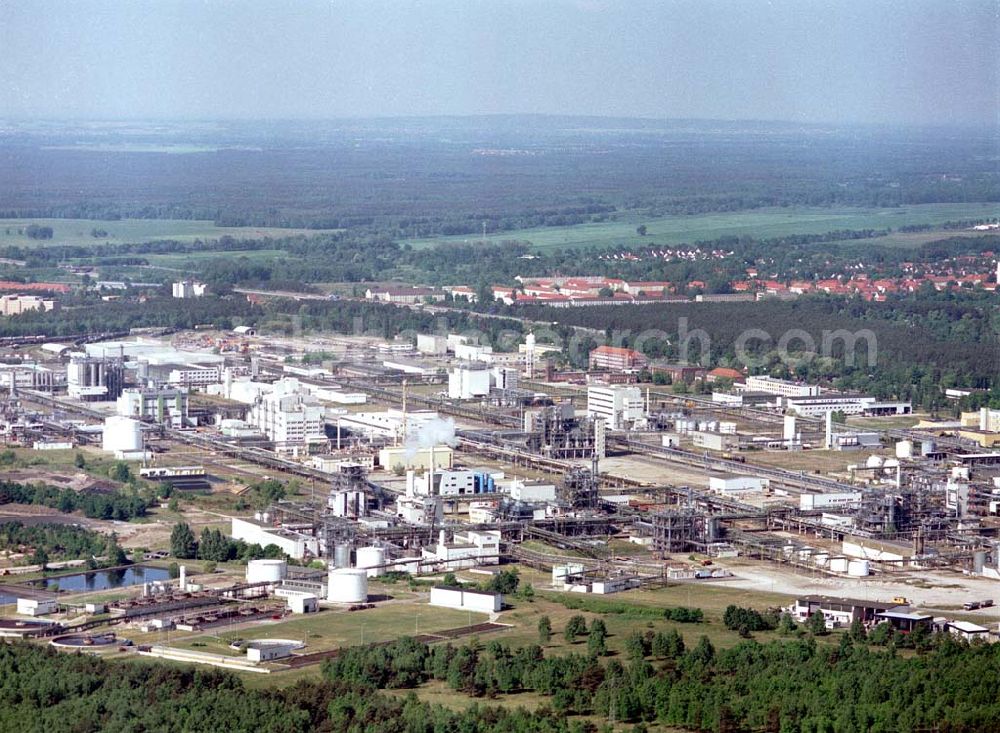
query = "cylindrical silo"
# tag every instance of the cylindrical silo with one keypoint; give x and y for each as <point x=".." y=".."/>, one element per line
<point x="858" y="568"/>
<point x="371" y="559"/>
<point x="978" y="561"/>
<point x="266" y="571"/>
<point x="342" y="556"/>
<point x="122" y="434"/>
<point x="347" y="585"/>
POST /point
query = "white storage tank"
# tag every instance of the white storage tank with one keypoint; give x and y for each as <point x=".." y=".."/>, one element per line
<point x="839" y="564"/>
<point x="122" y="434"/>
<point x="858" y="568"/>
<point x="371" y="559"/>
<point x="266" y="571"/>
<point x="904" y="449"/>
<point x="342" y="556"/>
<point x="347" y="585"/>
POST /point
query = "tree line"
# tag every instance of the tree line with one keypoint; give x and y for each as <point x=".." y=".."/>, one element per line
<point x="119" y="505"/>
<point x="48" y="541"/>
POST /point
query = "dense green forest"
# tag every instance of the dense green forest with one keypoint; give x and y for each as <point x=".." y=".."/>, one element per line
<point x="795" y="686"/>
<point x="163" y="312"/>
<point x="787" y="686"/>
<point x="413" y="178"/>
<point x="923" y="343"/>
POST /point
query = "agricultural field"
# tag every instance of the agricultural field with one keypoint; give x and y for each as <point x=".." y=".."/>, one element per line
<point x="125" y="231"/>
<point x="757" y="223"/>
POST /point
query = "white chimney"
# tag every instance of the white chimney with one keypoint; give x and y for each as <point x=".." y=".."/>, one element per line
<point x="182" y="582"/>
<point x="829" y="429"/>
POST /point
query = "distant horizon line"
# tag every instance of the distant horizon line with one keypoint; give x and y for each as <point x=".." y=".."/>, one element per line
<point x="995" y="125"/>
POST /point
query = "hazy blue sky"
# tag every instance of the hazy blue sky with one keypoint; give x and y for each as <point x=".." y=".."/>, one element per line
<point x="899" y="61"/>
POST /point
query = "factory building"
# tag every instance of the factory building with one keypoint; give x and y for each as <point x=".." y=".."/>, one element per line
<point x="810" y="502"/>
<point x="14" y="305"/>
<point x="35" y="607"/>
<point x="473" y="352"/>
<point x="504" y="378"/>
<point x="466" y="550"/>
<point x="31" y="376"/>
<point x="849" y="404"/>
<point x="532" y="491"/>
<point x="465" y="384"/>
<point x="95" y="379"/>
<point x="451" y="482"/>
<point x="201" y="376"/>
<point x="294" y="544"/>
<point x="438" y="457"/>
<point x="733" y="484"/>
<point x="466" y="600"/>
<point x="393" y="423"/>
<point x="432" y="344"/>
<point x="620" y="407"/>
<point x="837" y="611"/>
<point x="188" y="289"/>
<point x="163" y="406"/>
<point x="783" y="387"/>
<point x="616" y="359"/>
<point x="291" y="420"/>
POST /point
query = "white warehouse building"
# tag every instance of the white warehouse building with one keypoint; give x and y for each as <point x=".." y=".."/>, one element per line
<point x="465" y="550"/>
<point x="464" y="384"/>
<point x="733" y="484"/>
<point x="466" y="600"/>
<point x="620" y="406"/>
<point x="294" y="544"/>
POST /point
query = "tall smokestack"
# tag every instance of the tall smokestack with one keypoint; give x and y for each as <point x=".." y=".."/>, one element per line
<point x="829" y="429"/>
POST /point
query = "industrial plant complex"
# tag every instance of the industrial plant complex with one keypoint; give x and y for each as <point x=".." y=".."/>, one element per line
<point x="435" y="455"/>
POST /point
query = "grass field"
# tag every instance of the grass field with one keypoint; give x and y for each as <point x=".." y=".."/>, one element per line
<point x="77" y="231"/>
<point x="759" y="223"/>
<point x="330" y="629"/>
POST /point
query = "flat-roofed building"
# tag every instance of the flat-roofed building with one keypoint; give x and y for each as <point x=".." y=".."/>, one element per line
<point x="619" y="406"/>
<point x="14" y="305"/>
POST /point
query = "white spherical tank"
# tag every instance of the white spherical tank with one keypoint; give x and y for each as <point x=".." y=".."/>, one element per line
<point x="371" y="559"/>
<point x="266" y="571"/>
<point x="347" y="585"/>
<point x="122" y="434"/>
<point x="858" y="568"/>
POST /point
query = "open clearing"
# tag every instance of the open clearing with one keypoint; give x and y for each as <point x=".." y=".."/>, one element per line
<point x="77" y="231"/>
<point x="759" y="223"/>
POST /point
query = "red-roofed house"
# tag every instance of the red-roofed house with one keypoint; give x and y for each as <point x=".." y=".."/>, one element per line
<point x="720" y="373"/>
<point x="616" y="359"/>
<point x="6" y="285"/>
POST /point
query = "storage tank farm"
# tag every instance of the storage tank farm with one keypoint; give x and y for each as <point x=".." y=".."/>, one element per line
<point x="347" y="585"/>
